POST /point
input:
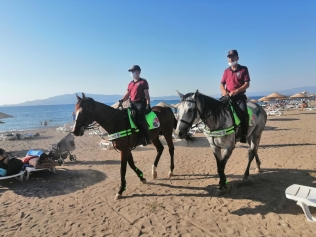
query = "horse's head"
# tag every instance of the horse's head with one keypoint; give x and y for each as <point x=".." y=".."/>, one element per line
<point x="84" y="114"/>
<point x="187" y="113"/>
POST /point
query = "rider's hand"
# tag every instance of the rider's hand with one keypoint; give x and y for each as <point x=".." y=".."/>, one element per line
<point x="148" y="108"/>
<point x="224" y="93"/>
<point x="233" y="93"/>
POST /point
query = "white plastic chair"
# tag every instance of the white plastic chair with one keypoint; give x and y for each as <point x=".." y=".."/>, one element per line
<point x="106" y="145"/>
<point x="28" y="171"/>
<point x="18" y="176"/>
<point x="305" y="196"/>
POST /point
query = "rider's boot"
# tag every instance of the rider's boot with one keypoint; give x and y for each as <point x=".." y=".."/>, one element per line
<point x="146" y="140"/>
<point x="244" y="128"/>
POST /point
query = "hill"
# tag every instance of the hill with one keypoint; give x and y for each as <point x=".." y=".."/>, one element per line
<point x="71" y="98"/>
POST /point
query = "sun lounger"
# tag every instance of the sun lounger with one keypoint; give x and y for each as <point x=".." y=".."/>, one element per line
<point x="305" y="196"/>
<point x="28" y="171"/>
<point x="18" y="176"/>
<point x="106" y="145"/>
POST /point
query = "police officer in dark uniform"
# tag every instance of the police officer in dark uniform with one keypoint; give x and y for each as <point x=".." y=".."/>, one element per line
<point x="235" y="81"/>
<point x="138" y="92"/>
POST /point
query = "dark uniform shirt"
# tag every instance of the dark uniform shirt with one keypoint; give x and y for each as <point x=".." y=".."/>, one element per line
<point x="235" y="79"/>
<point x="136" y="89"/>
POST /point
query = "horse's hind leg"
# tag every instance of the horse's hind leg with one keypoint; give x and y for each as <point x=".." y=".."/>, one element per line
<point x="252" y="153"/>
<point x="124" y="158"/>
<point x="159" y="149"/>
<point x="136" y="170"/>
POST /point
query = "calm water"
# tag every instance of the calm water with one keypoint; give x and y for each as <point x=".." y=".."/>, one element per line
<point x="30" y="117"/>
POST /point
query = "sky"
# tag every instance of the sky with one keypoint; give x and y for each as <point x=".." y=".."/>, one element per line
<point x="57" y="47"/>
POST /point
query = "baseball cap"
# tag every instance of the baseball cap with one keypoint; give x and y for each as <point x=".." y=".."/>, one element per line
<point x="134" y="68"/>
<point x="232" y="52"/>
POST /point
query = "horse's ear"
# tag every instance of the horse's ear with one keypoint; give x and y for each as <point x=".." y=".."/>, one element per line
<point x="78" y="98"/>
<point x="195" y="94"/>
<point x="181" y="95"/>
<point x="84" y="96"/>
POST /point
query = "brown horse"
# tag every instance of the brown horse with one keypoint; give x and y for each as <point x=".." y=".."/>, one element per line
<point x="114" y="121"/>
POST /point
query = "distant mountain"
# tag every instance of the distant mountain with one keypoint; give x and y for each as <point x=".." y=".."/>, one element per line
<point x="71" y="98"/>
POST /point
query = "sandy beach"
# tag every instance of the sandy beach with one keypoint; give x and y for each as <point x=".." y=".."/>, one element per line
<point x="79" y="199"/>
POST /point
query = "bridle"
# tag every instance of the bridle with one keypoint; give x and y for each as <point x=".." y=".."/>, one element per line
<point x="94" y="125"/>
<point x="197" y="111"/>
<point x="194" y="115"/>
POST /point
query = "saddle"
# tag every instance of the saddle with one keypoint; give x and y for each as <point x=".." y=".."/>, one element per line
<point x="132" y="124"/>
<point x="236" y="114"/>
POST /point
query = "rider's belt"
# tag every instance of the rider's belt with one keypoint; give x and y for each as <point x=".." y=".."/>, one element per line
<point x="138" y="101"/>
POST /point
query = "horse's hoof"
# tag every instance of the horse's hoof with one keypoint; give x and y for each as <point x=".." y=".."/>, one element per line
<point x="154" y="175"/>
<point x="221" y="191"/>
<point x="257" y="170"/>
<point x="118" y="196"/>
<point x="170" y="174"/>
<point x="144" y="181"/>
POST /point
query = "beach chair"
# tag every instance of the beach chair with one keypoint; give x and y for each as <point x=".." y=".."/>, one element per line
<point x="106" y="145"/>
<point x="18" y="176"/>
<point x="66" y="128"/>
<point x="305" y="196"/>
<point x="28" y="171"/>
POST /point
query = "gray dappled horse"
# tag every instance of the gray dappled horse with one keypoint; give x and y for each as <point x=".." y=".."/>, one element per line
<point x="217" y="117"/>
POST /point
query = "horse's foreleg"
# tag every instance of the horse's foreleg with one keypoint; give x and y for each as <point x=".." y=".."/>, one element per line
<point x="221" y="164"/>
<point x="136" y="170"/>
<point x="124" y="158"/>
<point x="159" y="149"/>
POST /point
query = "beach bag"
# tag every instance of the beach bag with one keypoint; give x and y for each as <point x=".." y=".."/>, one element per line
<point x="14" y="166"/>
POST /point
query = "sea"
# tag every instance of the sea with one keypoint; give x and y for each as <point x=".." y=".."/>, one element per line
<point x="33" y="117"/>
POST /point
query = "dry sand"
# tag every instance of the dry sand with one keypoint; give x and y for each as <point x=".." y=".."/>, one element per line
<point x="79" y="199"/>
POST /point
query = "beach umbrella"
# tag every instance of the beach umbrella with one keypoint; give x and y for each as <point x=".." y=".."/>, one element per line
<point x="304" y="92"/>
<point x="126" y="104"/>
<point x="276" y="95"/>
<point x="3" y="115"/>
<point x="164" y="104"/>
<point x="299" y="95"/>
<point x="253" y="100"/>
<point x="265" y="99"/>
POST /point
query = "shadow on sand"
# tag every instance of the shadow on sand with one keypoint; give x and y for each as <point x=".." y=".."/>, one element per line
<point x="267" y="188"/>
<point x="44" y="184"/>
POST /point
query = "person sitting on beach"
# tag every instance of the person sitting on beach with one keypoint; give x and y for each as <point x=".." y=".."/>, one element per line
<point x="3" y="162"/>
<point x="41" y="162"/>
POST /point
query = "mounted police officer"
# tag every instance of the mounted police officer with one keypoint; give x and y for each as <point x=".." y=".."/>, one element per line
<point x="235" y="81"/>
<point x="138" y="92"/>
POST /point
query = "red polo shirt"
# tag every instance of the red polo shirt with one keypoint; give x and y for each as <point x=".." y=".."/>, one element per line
<point x="235" y="79"/>
<point x="136" y="89"/>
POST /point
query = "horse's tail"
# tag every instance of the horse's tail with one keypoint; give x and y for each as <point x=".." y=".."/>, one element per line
<point x="175" y="121"/>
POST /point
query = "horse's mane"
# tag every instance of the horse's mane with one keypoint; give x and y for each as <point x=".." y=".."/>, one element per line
<point x="210" y="107"/>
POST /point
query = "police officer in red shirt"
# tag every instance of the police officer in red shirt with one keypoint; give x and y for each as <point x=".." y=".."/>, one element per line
<point x="235" y="81"/>
<point x="138" y="92"/>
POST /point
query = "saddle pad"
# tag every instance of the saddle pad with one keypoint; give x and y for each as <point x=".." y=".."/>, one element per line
<point x="151" y="118"/>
